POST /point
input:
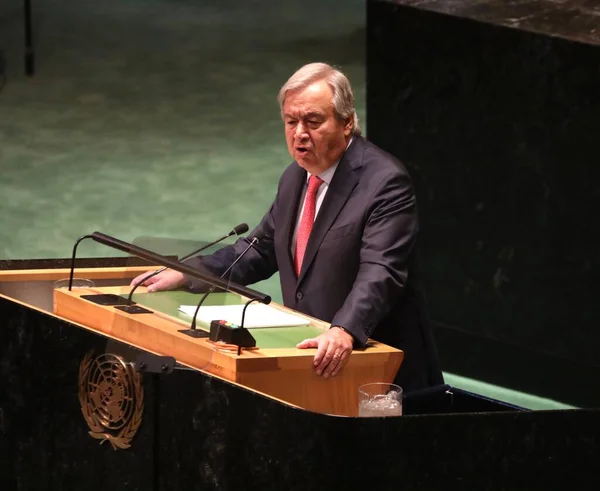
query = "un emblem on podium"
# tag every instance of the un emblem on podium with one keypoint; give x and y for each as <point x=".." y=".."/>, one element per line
<point x="112" y="399"/>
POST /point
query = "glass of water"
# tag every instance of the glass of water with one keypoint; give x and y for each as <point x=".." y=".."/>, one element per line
<point x="77" y="283"/>
<point x="379" y="399"/>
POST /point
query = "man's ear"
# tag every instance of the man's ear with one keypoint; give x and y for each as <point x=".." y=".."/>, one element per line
<point x="348" y="125"/>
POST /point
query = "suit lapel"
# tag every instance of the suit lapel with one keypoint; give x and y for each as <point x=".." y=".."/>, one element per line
<point x="343" y="183"/>
<point x="291" y="192"/>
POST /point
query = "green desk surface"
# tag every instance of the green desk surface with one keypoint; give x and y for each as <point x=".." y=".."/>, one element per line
<point x="272" y="337"/>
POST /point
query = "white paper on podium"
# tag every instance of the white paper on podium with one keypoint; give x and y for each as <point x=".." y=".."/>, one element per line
<point x="257" y="315"/>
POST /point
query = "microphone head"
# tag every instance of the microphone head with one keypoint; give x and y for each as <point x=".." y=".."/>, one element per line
<point x="242" y="228"/>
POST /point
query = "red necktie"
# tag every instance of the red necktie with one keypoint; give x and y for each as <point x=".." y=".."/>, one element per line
<point x="307" y="220"/>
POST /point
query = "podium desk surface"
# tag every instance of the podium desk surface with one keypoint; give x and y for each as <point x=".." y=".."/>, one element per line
<point x="268" y="338"/>
<point x="276" y="368"/>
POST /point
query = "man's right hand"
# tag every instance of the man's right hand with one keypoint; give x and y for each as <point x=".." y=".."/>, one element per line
<point x="167" y="280"/>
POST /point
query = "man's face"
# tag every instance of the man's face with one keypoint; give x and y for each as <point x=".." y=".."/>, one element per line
<point x="316" y="139"/>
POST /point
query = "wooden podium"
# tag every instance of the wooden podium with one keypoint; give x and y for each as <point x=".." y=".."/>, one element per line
<point x="284" y="373"/>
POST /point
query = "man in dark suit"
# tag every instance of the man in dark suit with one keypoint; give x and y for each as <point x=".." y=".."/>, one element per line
<point x="341" y="232"/>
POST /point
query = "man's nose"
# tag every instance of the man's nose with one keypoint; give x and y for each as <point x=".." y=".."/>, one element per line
<point x="300" y="131"/>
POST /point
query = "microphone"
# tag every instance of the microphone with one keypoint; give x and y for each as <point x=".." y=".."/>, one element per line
<point x="242" y="228"/>
<point x="192" y="331"/>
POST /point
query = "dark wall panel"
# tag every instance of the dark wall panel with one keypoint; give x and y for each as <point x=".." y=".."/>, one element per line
<point x="498" y="127"/>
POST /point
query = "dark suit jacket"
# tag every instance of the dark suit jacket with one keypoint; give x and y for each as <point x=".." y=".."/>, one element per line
<point x="359" y="267"/>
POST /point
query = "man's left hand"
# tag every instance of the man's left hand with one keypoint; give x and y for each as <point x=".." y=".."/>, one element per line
<point x="333" y="349"/>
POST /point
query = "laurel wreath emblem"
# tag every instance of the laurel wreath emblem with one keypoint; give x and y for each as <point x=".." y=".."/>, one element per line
<point x="112" y="399"/>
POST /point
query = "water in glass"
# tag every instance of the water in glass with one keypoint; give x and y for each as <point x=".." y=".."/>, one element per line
<point x="380" y="405"/>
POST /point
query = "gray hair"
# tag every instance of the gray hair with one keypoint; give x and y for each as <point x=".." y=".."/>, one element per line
<point x="343" y="98"/>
